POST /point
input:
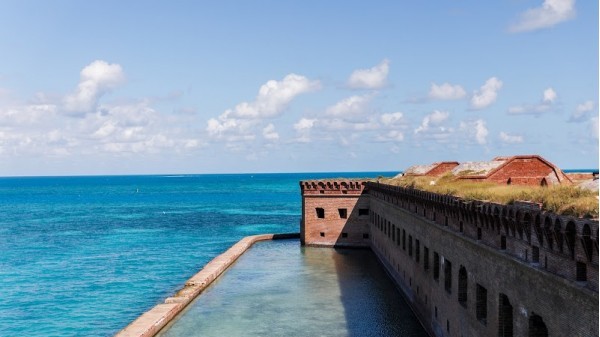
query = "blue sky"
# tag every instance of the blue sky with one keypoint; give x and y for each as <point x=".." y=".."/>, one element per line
<point x="136" y="87"/>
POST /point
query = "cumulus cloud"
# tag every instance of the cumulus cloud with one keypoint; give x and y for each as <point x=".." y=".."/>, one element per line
<point x="96" y="79"/>
<point x="269" y="132"/>
<point x="446" y="91"/>
<point x="549" y="14"/>
<point x="239" y="123"/>
<point x="350" y="107"/>
<point x="546" y="104"/>
<point x="392" y="119"/>
<point x="549" y="95"/>
<point x="372" y="78"/>
<point x="391" y="136"/>
<point x="582" y="112"/>
<point x="476" y="130"/>
<point x="487" y="94"/>
<point x="510" y="139"/>
<point x="435" y="118"/>
<point x="273" y="97"/>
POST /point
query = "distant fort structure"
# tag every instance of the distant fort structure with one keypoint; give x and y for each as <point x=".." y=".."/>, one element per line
<point x="469" y="268"/>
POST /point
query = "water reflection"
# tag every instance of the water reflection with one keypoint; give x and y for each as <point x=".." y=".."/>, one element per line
<point x="281" y="289"/>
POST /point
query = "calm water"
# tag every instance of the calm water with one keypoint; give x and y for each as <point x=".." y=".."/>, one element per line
<point x="84" y="256"/>
<point x="281" y="289"/>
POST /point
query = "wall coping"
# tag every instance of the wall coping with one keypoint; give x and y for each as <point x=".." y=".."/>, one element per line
<point x="153" y="320"/>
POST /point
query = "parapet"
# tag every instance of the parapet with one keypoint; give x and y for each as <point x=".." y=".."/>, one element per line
<point x="332" y="187"/>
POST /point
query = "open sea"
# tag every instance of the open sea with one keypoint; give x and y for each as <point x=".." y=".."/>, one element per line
<point x="84" y="256"/>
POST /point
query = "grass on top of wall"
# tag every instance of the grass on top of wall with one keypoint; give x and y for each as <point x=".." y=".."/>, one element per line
<point x="565" y="200"/>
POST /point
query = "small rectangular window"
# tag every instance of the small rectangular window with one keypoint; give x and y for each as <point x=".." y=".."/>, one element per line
<point x="535" y="254"/>
<point x="481" y="305"/>
<point x="403" y="239"/>
<point x="322" y="234"/>
<point x="417" y="251"/>
<point x="581" y="272"/>
<point x="320" y="213"/>
<point x="436" y="266"/>
<point x="365" y="235"/>
<point x="448" y="276"/>
<point x="363" y="211"/>
<point x="344" y="235"/>
<point x="425" y="258"/>
<point x="410" y="245"/>
<point x="343" y="213"/>
<point x="503" y="242"/>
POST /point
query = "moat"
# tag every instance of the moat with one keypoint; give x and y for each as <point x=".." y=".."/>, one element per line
<point x="278" y="288"/>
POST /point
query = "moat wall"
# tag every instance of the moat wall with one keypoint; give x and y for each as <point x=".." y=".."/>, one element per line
<point x="470" y="268"/>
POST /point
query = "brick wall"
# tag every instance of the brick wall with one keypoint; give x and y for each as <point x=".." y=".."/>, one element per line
<point x="338" y="221"/>
<point x="524" y="260"/>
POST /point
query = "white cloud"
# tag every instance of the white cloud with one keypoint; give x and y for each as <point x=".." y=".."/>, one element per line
<point x="475" y="129"/>
<point x="240" y="123"/>
<point x="546" y="104"/>
<point x="350" y="106"/>
<point x="433" y="119"/>
<point x="510" y="139"/>
<point x="273" y="97"/>
<point x="269" y="132"/>
<point x="96" y="79"/>
<point x="446" y="91"/>
<point x="391" y="119"/>
<point x="391" y="136"/>
<point x="487" y="94"/>
<point x="549" y="14"/>
<point x="304" y="124"/>
<point x="372" y="78"/>
<point x="549" y="95"/>
<point x="582" y="111"/>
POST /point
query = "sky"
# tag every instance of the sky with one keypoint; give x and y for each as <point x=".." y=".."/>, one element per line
<point x="153" y="87"/>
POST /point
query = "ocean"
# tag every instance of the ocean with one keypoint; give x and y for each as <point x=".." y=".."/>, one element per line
<point x="84" y="256"/>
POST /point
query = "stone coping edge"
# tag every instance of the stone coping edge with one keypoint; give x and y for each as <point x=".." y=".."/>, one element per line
<point x="153" y="320"/>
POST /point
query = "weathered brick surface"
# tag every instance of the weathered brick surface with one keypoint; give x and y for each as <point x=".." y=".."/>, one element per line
<point x="527" y="255"/>
<point x="524" y="170"/>
<point x="442" y="168"/>
<point x="332" y="229"/>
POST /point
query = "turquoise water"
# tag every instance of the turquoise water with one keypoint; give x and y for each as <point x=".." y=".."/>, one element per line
<point x="281" y="289"/>
<point x="84" y="256"/>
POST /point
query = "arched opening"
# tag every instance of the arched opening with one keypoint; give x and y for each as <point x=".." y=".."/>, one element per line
<point x="527" y="226"/>
<point x="544" y="183"/>
<point x="587" y="242"/>
<point x="462" y="286"/>
<point x="548" y="231"/>
<point x="537" y="328"/>
<point x="570" y="234"/>
<point x="505" y="317"/>
<point x="558" y="234"/>
<point x="538" y="230"/>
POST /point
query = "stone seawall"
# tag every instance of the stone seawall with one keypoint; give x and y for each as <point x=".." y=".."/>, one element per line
<point x="153" y="320"/>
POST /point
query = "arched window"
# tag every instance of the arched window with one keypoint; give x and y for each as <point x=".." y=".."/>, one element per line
<point x="558" y="234"/>
<point x="505" y="317"/>
<point x="570" y="234"/>
<point x="462" y="286"/>
<point x="537" y="328"/>
<point x="548" y="231"/>
<point x="538" y="230"/>
<point x="527" y="226"/>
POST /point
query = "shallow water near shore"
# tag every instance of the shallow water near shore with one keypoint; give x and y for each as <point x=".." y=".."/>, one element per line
<point x="85" y="256"/>
<point x="279" y="288"/>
